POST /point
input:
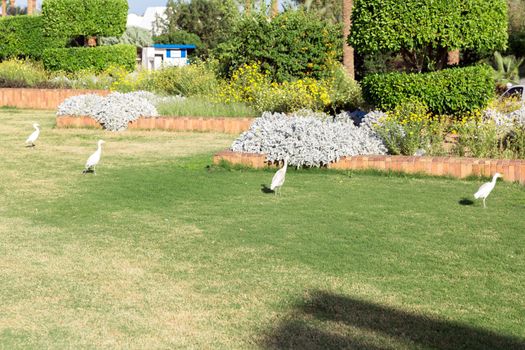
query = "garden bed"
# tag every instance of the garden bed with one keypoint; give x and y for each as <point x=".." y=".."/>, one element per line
<point x="512" y="170"/>
<point x="40" y="98"/>
<point x="224" y="125"/>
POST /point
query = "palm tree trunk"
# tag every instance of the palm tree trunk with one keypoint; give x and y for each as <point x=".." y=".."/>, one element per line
<point x="348" y="51"/>
<point x="247" y="7"/>
<point x="275" y="8"/>
<point x="453" y="58"/>
<point x="30" y="6"/>
<point x="4" y="8"/>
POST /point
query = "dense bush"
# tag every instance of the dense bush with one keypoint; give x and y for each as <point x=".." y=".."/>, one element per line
<point x="23" y="36"/>
<point x="190" y="80"/>
<point x="293" y="45"/>
<point x="424" y="31"/>
<point x="449" y="91"/>
<point x="74" y="18"/>
<point x="90" y="58"/>
<point x="307" y="140"/>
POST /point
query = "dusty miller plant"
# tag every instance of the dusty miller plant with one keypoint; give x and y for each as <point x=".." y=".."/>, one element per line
<point x="307" y="141"/>
<point x="114" y="111"/>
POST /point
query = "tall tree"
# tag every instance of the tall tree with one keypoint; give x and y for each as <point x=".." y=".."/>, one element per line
<point x="348" y="51"/>
<point x="424" y="31"/>
<point x="248" y="7"/>
<point x="210" y="20"/>
<point x="4" y="8"/>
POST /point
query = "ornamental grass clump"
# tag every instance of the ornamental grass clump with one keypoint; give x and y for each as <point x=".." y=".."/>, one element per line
<point x="114" y="111"/>
<point x="409" y="129"/>
<point x="307" y="141"/>
<point x="15" y="73"/>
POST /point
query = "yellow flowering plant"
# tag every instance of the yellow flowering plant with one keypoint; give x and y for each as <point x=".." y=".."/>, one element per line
<point x="252" y="85"/>
<point x="410" y="128"/>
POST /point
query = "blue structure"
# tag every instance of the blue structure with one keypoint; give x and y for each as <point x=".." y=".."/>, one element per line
<point x="162" y="55"/>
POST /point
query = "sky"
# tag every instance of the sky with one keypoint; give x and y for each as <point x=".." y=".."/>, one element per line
<point x="137" y="6"/>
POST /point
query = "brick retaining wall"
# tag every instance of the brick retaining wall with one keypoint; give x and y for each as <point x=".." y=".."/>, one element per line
<point x="40" y="98"/>
<point x="512" y="170"/>
<point x="225" y="125"/>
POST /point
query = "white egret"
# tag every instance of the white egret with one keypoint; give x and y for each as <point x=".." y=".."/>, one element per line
<point x="486" y="188"/>
<point x="34" y="136"/>
<point x="94" y="159"/>
<point x="278" y="178"/>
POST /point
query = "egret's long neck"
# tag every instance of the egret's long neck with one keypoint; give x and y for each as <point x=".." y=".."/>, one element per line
<point x="36" y="128"/>
<point x="285" y="163"/>
<point x="494" y="179"/>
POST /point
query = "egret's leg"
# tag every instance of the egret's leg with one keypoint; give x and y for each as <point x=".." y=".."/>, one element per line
<point x="484" y="206"/>
<point x="95" y="170"/>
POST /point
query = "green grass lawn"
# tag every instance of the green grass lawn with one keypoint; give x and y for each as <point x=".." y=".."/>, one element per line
<point x="160" y="251"/>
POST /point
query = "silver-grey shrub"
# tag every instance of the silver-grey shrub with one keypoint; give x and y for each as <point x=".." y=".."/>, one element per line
<point x="307" y="141"/>
<point x="114" y="111"/>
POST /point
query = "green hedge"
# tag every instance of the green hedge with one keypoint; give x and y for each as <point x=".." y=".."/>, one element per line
<point x="393" y="25"/>
<point x="23" y="36"/>
<point x="90" y="58"/>
<point x="424" y="30"/>
<point x="85" y="17"/>
<point x="448" y="91"/>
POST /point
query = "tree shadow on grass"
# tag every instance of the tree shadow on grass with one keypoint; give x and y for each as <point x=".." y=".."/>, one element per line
<point x="329" y="321"/>
<point x="466" y="201"/>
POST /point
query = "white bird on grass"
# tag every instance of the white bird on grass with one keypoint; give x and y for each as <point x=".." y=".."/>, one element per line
<point x="486" y="188"/>
<point x="30" y="142"/>
<point x="278" y="178"/>
<point x="94" y="159"/>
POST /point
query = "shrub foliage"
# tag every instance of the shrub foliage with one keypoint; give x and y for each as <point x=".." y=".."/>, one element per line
<point x="90" y="58"/>
<point x="74" y="18"/>
<point x="23" y="36"/>
<point x="295" y="44"/>
<point x="423" y="31"/>
<point x="449" y="91"/>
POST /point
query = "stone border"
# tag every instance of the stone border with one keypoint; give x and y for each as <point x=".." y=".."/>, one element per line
<point x="512" y="170"/>
<point x="224" y="125"/>
<point x="41" y="98"/>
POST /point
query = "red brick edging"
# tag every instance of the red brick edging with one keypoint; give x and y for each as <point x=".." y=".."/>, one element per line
<point x="225" y="125"/>
<point x="512" y="170"/>
<point x="41" y="98"/>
